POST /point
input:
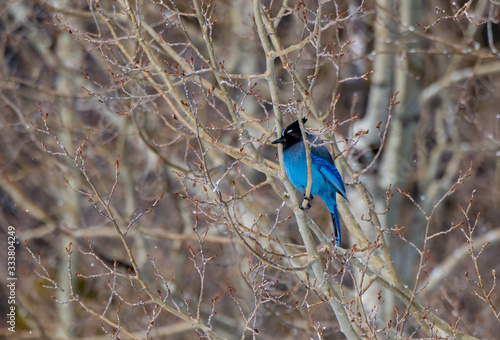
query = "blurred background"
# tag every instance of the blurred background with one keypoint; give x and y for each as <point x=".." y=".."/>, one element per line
<point x="155" y="117"/>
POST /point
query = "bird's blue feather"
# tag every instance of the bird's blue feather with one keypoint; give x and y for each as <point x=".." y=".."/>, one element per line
<point x="330" y="172"/>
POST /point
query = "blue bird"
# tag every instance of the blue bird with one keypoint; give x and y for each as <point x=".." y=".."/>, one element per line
<point x="326" y="180"/>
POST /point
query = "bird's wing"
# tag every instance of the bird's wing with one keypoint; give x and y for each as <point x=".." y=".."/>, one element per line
<point x="330" y="172"/>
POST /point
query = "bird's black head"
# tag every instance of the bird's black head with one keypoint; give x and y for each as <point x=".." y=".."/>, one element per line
<point x="290" y="135"/>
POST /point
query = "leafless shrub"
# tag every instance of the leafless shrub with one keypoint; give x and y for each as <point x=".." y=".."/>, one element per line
<point x="138" y="172"/>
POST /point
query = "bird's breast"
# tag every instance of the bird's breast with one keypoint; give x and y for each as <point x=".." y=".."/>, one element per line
<point x="295" y="162"/>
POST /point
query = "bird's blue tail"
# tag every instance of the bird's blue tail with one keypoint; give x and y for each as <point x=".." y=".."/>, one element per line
<point x="336" y="226"/>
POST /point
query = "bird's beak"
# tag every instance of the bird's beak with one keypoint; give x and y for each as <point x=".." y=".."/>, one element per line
<point x="278" y="141"/>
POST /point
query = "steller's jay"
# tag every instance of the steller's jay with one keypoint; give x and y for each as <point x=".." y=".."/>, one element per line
<point x="326" y="180"/>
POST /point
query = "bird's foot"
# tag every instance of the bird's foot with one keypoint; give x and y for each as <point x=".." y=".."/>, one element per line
<point x="305" y="203"/>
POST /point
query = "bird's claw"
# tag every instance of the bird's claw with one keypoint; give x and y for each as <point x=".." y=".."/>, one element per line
<point x="307" y="207"/>
<point x="306" y="199"/>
